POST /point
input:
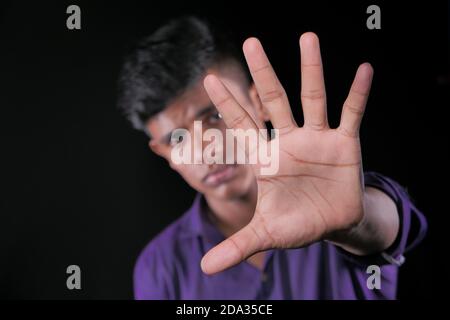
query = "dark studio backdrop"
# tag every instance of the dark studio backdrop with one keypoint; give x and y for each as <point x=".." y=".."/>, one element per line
<point x="79" y="186"/>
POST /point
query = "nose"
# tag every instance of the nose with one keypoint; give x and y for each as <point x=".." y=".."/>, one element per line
<point x="208" y="145"/>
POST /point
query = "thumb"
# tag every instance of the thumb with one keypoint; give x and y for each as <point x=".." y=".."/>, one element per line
<point x="233" y="250"/>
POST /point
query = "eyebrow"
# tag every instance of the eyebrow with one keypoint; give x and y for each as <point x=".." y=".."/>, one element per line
<point x="204" y="110"/>
<point x="166" y="138"/>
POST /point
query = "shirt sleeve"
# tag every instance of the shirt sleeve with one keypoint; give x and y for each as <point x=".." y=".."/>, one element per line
<point x="413" y="225"/>
<point x="149" y="276"/>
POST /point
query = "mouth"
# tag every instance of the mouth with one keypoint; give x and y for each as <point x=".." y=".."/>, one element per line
<point x="220" y="175"/>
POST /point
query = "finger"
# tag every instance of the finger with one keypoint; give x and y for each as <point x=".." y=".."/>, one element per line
<point x="233" y="114"/>
<point x="313" y="94"/>
<point x="355" y="104"/>
<point x="269" y="88"/>
<point x="233" y="250"/>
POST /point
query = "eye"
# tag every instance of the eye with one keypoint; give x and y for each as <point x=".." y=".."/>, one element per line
<point x="176" y="139"/>
<point x="214" y="117"/>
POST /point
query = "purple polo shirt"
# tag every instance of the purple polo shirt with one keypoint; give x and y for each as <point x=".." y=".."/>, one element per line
<point x="169" y="267"/>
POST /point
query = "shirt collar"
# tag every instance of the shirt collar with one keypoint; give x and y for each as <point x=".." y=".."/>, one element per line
<point x="199" y="224"/>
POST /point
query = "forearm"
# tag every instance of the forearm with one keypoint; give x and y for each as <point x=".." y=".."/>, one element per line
<point x="377" y="230"/>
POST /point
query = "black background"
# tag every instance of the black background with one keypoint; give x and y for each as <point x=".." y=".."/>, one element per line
<point x="79" y="186"/>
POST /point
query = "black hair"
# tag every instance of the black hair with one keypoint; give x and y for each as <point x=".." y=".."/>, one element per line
<point x="165" y="64"/>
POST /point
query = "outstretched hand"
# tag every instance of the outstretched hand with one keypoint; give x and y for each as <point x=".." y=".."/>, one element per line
<point x="318" y="189"/>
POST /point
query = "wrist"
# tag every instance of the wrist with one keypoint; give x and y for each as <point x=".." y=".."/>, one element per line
<point x="376" y="230"/>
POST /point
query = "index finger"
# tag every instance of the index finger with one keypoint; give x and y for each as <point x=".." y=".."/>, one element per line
<point x="270" y="90"/>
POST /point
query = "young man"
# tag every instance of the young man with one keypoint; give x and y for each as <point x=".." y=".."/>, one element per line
<point x="346" y="230"/>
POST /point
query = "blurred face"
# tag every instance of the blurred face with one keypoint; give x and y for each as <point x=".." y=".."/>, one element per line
<point x="222" y="181"/>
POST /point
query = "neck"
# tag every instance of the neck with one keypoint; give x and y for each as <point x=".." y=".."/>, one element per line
<point x="231" y="215"/>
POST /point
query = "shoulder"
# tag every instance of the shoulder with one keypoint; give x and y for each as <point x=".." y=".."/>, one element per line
<point x="163" y="246"/>
<point x="157" y="262"/>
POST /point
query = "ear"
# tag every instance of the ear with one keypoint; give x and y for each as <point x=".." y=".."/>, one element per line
<point x="155" y="147"/>
<point x="261" y="111"/>
<point x="158" y="149"/>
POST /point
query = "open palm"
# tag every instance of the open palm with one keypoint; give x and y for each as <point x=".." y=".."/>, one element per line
<point x="318" y="189"/>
